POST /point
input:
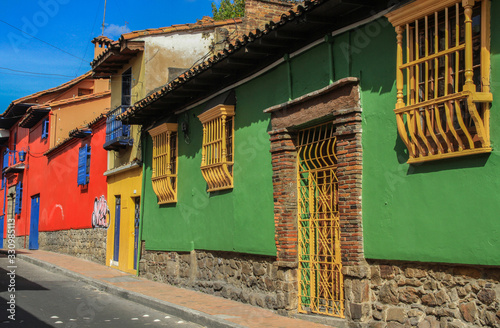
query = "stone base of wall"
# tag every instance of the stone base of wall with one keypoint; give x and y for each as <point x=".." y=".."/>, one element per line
<point x="18" y="241"/>
<point x="256" y="280"/>
<point x="379" y="294"/>
<point x="399" y="294"/>
<point x="89" y="244"/>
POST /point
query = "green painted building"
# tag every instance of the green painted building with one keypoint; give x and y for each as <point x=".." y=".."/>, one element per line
<point x="339" y="161"/>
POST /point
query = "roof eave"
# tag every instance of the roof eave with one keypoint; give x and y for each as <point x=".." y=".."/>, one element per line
<point x="252" y="53"/>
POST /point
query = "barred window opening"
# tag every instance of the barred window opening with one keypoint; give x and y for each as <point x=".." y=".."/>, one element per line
<point x="443" y="96"/>
<point x="164" y="175"/>
<point x="217" y="149"/>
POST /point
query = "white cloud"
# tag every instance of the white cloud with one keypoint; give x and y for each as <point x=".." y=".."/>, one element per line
<point x="113" y="31"/>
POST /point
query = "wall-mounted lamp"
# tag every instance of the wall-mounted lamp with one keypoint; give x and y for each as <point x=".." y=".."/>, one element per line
<point x="22" y="155"/>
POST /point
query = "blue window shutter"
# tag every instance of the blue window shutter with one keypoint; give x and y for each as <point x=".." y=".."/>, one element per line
<point x="82" y="165"/>
<point x="19" y="197"/>
<point x="87" y="164"/>
<point x="45" y="129"/>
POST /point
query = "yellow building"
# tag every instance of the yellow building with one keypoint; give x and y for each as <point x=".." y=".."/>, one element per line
<point x="138" y="63"/>
<point x="124" y="168"/>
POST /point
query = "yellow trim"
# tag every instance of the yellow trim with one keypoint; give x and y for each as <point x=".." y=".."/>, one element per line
<point x="164" y="175"/>
<point x="449" y="155"/>
<point x="417" y="10"/>
<point x="464" y="127"/>
<point x="216" y="168"/>
<point x="321" y="284"/>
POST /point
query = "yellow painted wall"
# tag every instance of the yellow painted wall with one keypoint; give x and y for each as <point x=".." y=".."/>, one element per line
<point x="137" y="66"/>
<point x="128" y="154"/>
<point x="128" y="185"/>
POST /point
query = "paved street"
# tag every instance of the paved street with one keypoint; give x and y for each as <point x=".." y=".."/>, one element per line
<point x="46" y="299"/>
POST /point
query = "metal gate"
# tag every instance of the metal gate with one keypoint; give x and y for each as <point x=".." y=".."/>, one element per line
<point x="321" y="287"/>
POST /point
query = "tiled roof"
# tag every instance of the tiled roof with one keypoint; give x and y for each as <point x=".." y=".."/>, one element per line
<point x="79" y="98"/>
<point x="204" y="23"/>
<point x="240" y="43"/>
<point x="35" y="113"/>
<point x="302" y="25"/>
<point x="55" y="89"/>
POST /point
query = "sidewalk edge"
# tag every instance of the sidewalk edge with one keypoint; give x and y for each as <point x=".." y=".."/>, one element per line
<point x="182" y="312"/>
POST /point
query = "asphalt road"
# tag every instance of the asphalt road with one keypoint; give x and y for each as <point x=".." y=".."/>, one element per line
<point x="45" y="299"/>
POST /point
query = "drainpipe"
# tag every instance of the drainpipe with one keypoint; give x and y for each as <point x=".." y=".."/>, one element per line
<point x="141" y="216"/>
<point x="329" y="42"/>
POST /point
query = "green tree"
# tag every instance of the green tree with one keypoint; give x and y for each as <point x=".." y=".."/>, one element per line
<point x="228" y="9"/>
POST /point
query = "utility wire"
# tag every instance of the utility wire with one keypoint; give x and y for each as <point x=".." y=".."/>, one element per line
<point x="36" y="73"/>
<point x="91" y="33"/>
<point x="34" y="37"/>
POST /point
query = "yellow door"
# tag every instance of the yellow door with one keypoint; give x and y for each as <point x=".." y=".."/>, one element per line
<point x="320" y="277"/>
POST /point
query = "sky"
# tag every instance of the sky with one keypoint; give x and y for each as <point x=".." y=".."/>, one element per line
<point x="50" y="39"/>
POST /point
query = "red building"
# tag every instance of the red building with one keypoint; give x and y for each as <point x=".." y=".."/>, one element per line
<point x="53" y="165"/>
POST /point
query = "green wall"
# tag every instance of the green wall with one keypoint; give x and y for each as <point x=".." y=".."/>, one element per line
<point x="241" y="219"/>
<point x="443" y="211"/>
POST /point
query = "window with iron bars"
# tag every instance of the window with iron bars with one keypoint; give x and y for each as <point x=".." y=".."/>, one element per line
<point x="164" y="177"/>
<point x="443" y="89"/>
<point x="217" y="148"/>
<point x="117" y="134"/>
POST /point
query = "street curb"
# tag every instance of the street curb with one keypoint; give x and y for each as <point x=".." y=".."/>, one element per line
<point x="182" y="312"/>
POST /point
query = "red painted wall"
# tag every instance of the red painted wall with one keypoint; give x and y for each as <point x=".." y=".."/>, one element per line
<point x="63" y="204"/>
<point x="19" y="138"/>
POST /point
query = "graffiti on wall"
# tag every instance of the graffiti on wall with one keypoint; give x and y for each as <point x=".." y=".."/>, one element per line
<point x="100" y="215"/>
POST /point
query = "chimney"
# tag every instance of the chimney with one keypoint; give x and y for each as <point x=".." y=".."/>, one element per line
<point x="101" y="43"/>
<point x="259" y="12"/>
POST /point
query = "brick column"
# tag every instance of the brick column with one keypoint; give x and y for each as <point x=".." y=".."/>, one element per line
<point x="283" y="154"/>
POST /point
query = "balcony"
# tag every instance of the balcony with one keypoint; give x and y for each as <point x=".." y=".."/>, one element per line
<point x="13" y="161"/>
<point x="117" y="134"/>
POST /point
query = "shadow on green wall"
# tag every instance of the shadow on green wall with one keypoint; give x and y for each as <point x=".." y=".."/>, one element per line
<point x="457" y="163"/>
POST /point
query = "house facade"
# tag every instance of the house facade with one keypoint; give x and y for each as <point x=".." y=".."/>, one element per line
<point x="342" y="165"/>
<point x="51" y="186"/>
<point x="137" y="64"/>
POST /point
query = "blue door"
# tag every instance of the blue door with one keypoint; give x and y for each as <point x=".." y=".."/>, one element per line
<point x="35" y="210"/>
<point x="116" y="248"/>
<point x="136" y="229"/>
<point x="1" y="231"/>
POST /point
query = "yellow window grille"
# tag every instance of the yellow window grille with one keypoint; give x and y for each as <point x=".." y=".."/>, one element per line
<point x="320" y="278"/>
<point x="443" y="88"/>
<point x="164" y="178"/>
<point x="217" y="149"/>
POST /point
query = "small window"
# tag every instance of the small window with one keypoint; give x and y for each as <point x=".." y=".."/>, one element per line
<point x="164" y="178"/>
<point x="443" y="88"/>
<point x="84" y="165"/>
<point x="127" y="87"/>
<point x="217" y="148"/>
<point x="45" y="128"/>
<point x="19" y="197"/>
<point x="84" y="92"/>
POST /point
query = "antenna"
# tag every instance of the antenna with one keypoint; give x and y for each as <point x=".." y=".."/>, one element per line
<point x="103" y="18"/>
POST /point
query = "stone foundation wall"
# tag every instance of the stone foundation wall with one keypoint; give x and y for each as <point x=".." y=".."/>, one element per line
<point x="397" y="294"/>
<point x="256" y="280"/>
<point x="19" y="242"/>
<point x="89" y="244"/>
